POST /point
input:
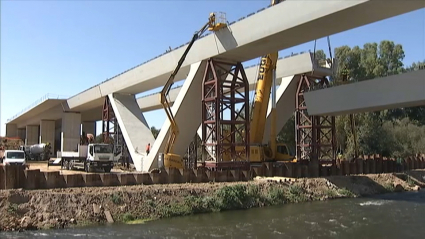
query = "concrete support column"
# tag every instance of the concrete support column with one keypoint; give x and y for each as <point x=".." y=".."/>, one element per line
<point x="22" y="133"/>
<point x="11" y="130"/>
<point x="47" y="132"/>
<point x="32" y="134"/>
<point x="89" y="127"/>
<point x="71" y="131"/>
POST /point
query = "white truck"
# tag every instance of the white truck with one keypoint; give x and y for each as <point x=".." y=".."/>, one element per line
<point x="14" y="157"/>
<point x="88" y="157"/>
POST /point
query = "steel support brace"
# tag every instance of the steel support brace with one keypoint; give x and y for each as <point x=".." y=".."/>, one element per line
<point x="315" y="135"/>
<point x="112" y="133"/>
<point x="191" y="157"/>
<point x="225" y="111"/>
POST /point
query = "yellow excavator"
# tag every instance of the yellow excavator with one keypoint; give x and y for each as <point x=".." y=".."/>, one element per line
<point x="172" y="160"/>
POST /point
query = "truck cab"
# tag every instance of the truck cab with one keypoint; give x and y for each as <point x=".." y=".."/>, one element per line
<point x="100" y="156"/>
<point x="16" y="157"/>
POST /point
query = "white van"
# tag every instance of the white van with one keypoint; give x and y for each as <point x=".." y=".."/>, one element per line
<point x="14" y="157"/>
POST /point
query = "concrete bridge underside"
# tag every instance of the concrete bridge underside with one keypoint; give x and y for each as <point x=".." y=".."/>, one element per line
<point x="404" y="90"/>
<point x="232" y="43"/>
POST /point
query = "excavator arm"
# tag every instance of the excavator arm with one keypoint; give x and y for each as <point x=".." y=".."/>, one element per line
<point x="212" y="26"/>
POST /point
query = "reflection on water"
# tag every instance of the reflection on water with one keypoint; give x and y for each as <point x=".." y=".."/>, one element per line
<point x="385" y="216"/>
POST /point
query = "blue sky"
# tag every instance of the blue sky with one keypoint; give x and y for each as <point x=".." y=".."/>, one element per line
<point x="65" y="47"/>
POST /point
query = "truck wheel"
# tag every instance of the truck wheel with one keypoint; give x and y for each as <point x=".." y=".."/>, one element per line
<point x="107" y="169"/>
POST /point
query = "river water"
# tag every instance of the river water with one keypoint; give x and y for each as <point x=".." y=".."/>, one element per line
<point x="388" y="216"/>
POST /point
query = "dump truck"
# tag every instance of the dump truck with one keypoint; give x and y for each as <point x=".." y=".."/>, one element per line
<point x="88" y="157"/>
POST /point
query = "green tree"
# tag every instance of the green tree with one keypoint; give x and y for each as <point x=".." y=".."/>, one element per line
<point x="154" y="131"/>
<point x="287" y="134"/>
<point x="385" y="132"/>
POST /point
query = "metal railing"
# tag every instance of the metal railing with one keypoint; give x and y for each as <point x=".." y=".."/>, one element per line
<point x="45" y="97"/>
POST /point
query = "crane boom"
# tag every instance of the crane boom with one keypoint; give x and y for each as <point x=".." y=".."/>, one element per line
<point x="170" y="159"/>
<point x="167" y="87"/>
<point x="266" y="86"/>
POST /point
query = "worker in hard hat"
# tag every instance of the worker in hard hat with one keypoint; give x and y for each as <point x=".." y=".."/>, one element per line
<point x="148" y="148"/>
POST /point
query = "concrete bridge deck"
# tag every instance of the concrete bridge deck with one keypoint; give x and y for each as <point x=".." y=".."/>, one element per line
<point x="403" y="90"/>
<point x="53" y="108"/>
<point x="284" y="29"/>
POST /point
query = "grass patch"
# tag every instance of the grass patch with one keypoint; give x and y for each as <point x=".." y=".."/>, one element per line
<point x="138" y="221"/>
<point x="410" y="181"/>
<point x="234" y="197"/>
<point x="127" y="217"/>
<point x="116" y="198"/>
<point x="295" y="194"/>
<point x="12" y="208"/>
<point x="389" y="187"/>
<point x="345" y="193"/>
<point x="331" y="193"/>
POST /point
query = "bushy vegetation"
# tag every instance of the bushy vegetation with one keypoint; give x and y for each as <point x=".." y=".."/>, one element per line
<point x="234" y="197"/>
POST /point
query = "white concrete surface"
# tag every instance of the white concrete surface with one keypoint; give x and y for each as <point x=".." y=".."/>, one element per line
<point x="89" y="127"/>
<point x="289" y="23"/>
<point x="22" y="133"/>
<point x="135" y="129"/>
<point x="11" y="130"/>
<point x="31" y="116"/>
<point x="187" y="113"/>
<point x="71" y="131"/>
<point x="47" y="132"/>
<point x="32" y="134"/>
<point x="293" y="65"/>
<point x="403" y="90"/>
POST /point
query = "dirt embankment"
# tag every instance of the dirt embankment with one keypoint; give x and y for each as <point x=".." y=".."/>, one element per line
<point x="59" y="208"/>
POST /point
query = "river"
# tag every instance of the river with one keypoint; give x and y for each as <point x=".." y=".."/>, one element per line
<point x="388" y="216"/>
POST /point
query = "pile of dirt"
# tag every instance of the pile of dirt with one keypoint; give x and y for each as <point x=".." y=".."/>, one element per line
<point x="59" y="208"/>
<point x="10" y="143"/>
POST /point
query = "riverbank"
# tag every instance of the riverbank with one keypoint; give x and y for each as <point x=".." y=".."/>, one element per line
<point x="59" y="208"/>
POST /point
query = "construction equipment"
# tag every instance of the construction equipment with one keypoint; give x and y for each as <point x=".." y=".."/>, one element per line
<point x="172" y="160"/>
<point x="266" y="86"/>
<point x="37" y="152"/>
<point x="88" y="157"/>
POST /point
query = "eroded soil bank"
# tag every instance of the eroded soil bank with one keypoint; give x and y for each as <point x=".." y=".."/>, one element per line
<point x="59" y="208"/>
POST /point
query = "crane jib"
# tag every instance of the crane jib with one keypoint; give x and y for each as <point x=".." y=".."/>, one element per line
<point x="262" y="69"/>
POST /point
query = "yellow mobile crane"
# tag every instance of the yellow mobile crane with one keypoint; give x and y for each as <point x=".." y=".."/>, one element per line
<point x="266" y="84"/>
<point x="172" y="160"/>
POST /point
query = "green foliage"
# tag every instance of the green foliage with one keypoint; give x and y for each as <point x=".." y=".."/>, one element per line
<point x="234" y="197"/>
<point x="393" y="132"/>
<point x="126" y="217"/>
<point x="154" y="131"/>
<point x="116" y="198"/>
<point x="345" y="193"/>
<point x="12" y="208"/>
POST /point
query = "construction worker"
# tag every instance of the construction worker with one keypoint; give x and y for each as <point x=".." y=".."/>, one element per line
<point x="148" y="148"/>
<point x="47" y="151"/>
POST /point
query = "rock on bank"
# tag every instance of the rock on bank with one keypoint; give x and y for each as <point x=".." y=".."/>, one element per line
<point x="59" y="208"/>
